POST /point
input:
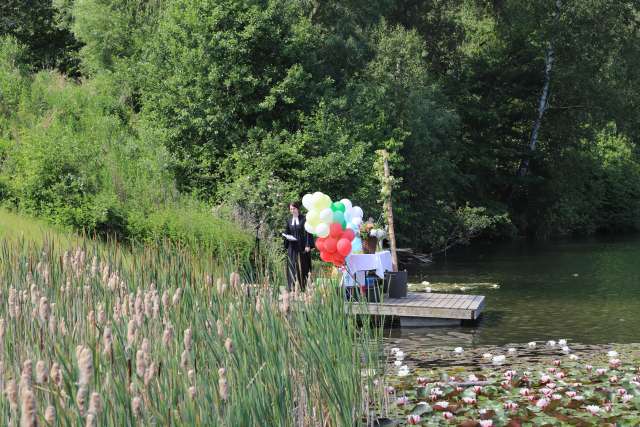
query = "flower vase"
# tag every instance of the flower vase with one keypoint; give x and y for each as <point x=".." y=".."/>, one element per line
<point x="369" y="245"/>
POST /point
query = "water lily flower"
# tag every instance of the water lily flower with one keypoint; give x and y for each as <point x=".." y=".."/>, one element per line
<point x="614" y="363"/>
<point x="562" y="342"/>
<point x="545" y="378"/>
<point x="397" y="363"/>
<point x="487" y="356"/>
<point x="542" y="403"/>
<point x="469" y="400"/>
<point x="552" y="370"/>
<point x="402" y="400"/>
<point x="413" y="419"/>
<point x="505" y="384"/>
<point x="546" y="391"/>
<point x="510" y="374"/>
<point x="532" y="344"/>
<point x="551" y="343"/>
<point x="389" y="389"/>
<point x="571" y="393"/>
<point x="593" y="409"/>
<point x="573" y="357"/>
<point x="589" y="368"/>
<point x="482" y="411"/>
<point x="447" y="415"/>
<point x="550" y="384"/>
<point x="477" y="389"/>
<point x="579" y="398"/>
<point x="560" y="375"/>
<point x="403" y="371"/>
<point x="400" y="355"/>
<point x="556" y="362"/>
<point x="601" y="371"/>
<point x="566" y="350"/>
<point x="556" y="396"/>
<point x="511" y="406"/>
<point x="485" y="423"/>
<point x="472" y="378"/>
<point x="511" y="350"/>
<point x="436" y="391"/>
<point x="458" y="350"/>
<point x="525" y="392"/>
<point x="422" y="381"/>
<point x="613" y="379"/>
<point x="394" y="350"/>
<point x="621" y="392"/>
<point x="607" y="407"/>
<point x="612" y="353"/>
<point x="531" y="398"/>
<point x="627" y="397"/>
<point x="498" y="360"/>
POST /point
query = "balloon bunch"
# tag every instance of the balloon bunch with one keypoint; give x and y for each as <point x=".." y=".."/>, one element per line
<point x="334" y="224"/>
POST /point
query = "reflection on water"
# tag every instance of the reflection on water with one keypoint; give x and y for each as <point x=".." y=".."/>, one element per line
<point x="587" y="291"/>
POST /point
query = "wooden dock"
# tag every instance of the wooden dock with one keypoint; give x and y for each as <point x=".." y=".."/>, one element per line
<point x="421" y="308"/>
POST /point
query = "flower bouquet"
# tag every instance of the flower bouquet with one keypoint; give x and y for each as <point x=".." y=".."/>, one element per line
<point x="371" y="234"/>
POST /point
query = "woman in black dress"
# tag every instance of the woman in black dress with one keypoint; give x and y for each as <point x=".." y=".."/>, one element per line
<point x="298" y="251"/>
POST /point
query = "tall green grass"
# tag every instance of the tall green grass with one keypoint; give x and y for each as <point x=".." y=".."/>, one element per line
<point x="242" y="351"/>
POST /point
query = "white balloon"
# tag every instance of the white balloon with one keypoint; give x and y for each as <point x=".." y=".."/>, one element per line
<point x="310" y="228"/>
<point x="356" y="221"/>
<point x="326" y="215"/>
<point x="356" y="212"/>
<point x="307" y="201"/>
<point x="347" y="204"/>
<point x="322" y="230"/>
<point x="348" y="215"/>
<point x="316" y="199"/>
<point x="326" y="202"/>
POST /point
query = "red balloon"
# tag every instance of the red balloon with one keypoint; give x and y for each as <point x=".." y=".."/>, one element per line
<point x="326" y="256"/>
<point x="338" y="260"/>
<point x="348" y="234"/>
<point x="320" y="244"/>
<point x="343" y="247"/>
<point x="335" y="230"/>
<point x="330" y="245"/>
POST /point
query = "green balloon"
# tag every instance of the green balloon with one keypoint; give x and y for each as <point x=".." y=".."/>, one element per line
<point x="338" y="217"/>
<point x="338" y="206"/>
<point x="343" y="224"/>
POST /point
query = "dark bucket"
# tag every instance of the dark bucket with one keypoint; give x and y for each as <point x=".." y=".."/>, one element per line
<point x="397" y="281"/>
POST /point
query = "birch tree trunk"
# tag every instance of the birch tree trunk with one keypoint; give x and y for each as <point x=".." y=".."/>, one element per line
<point x="388" y="209"/>
<point x="543" y="104"/>
<point x="542" y="107"/>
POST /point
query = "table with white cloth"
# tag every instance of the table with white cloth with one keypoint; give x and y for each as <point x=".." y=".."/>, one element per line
<point x="357" y="264"/>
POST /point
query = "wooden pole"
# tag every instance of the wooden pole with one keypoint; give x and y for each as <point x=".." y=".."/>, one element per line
<point x="388" y="209"/>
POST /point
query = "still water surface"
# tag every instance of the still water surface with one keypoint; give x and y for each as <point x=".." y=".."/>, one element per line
<point x="587" y="291"/>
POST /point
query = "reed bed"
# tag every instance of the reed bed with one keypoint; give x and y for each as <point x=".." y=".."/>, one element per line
<point x="102" y="335"/>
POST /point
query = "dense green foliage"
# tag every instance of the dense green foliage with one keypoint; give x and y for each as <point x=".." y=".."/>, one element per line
<point x="254" y="103"/>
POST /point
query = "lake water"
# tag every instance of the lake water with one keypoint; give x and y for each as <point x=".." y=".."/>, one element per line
<point x="587" y="291"/>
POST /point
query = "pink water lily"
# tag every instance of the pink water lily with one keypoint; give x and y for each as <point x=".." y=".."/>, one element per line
<point x="626" y="398"/>
<point x="621" y="392"/>
<point x="542" y="403"/>
<point x="571" y="393"/>
<point x="422" y="381"/>
<point x="525" y="392"/>
<point x="560" y="375"/>
<point x="614" y="363"/>
<point x="601" y="371"/>
<point x="413" y="419"/>
<point x="402" y="400"/>
<point x="511" y="406"/>
<point x="447" y="415"/>
<point x="556" y="396"/>
<point x="556" y="362"/>
<point x="477" y="389"/>
<point x="469" y="400"/>
<point x="485" y="423"/>
<point x="593" y="409"/>
<point x="613" y="379"/>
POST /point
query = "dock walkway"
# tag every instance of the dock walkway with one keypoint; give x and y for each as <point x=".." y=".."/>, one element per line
<point x="425" y="306"/>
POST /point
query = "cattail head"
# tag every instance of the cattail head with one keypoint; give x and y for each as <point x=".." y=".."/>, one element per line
<point x="14" y="308"/>
<point x="222" y="384"/>
<point x="167" y="336"/>
<point x="25" y="376"/>
<point x="95" y="404"/>
<point x="28" y="409"/>
<point x="53" y="325"/>
<point x="228" y="345"/>
<point x="187" y="339"/>
<point x="81" y="398"/>
<point x="284" y="304"/>
<point x="150" y="374"/>
<point x="141" y="365"/>
<point x="3" y="328"/>
<point x="107" y="341"/>
<point x="234" y="280"/>
<point x="50" y="415"/>
<point x="44" y="310"/>
<point x="42" y="373"/>
<point x="11" y="390"/>
<point x="102" y="316"/>
<point x="85" y="365"/>
<point x="136" y="406"/>
<point x="132" y="332"/>
<point x="192" y="392"/>
<point x="191" y="375"/>
<point x="90" y="420"/>
<point x="155" y="310"/>
<point x="165" y="300"/>
<point x="56" y="374"/>
<point x="176" y="296"/>
<point x="220" y="328"/>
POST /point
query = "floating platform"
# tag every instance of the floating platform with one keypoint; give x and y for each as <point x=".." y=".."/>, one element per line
<point x="425" y="309"/>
